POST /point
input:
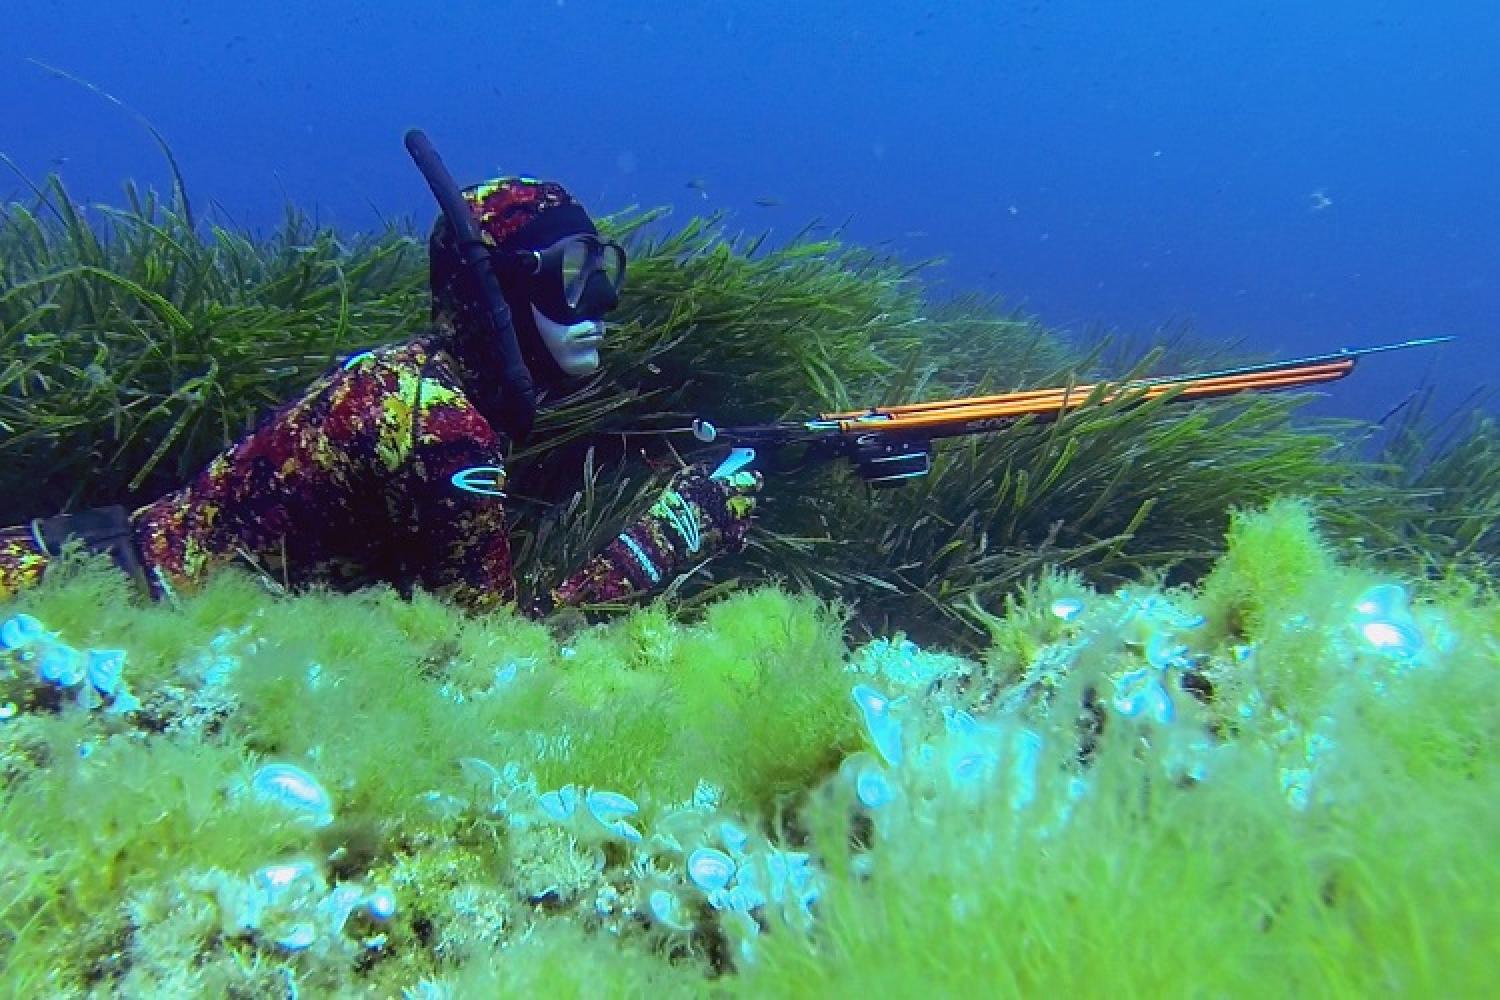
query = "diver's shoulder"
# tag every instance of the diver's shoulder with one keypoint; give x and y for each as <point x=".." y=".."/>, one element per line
<point x="411" y="354"/>
<point x="403" y="369"/>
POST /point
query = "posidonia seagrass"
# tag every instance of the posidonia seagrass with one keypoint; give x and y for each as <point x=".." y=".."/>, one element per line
<point x="136" y="346"/>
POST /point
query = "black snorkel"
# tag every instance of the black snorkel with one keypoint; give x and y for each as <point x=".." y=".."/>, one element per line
<point x="518" y="398"/>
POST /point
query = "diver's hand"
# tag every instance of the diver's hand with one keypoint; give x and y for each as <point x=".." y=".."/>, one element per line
<point x="703" y="515"/>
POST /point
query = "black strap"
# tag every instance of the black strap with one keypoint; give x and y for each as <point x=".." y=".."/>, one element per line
<point x="103" y="530"/>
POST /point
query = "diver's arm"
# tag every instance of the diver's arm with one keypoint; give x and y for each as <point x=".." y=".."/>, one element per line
<point x="695" y="517"/>
<point x="459" y="545"/>
<point x="470" y="560"/>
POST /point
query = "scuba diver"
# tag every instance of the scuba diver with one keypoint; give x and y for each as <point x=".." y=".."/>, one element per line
<point x="390" y="468"/>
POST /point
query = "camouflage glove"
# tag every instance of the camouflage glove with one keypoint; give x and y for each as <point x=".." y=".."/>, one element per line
<point x="694" y="517"/>
<point x="701" y="515"/>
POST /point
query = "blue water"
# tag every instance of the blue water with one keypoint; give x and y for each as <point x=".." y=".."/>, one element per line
<point x="1293" y="176"/>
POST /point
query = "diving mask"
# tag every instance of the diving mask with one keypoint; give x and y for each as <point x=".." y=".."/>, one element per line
<point x="574" y="280"/>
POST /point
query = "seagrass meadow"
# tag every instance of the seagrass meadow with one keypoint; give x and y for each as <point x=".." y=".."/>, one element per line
<point x="1156" y="699"/>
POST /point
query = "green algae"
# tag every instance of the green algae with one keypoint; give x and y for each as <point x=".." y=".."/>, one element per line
<point x="1165" y="884"/>
<point x="1320" y="823"/>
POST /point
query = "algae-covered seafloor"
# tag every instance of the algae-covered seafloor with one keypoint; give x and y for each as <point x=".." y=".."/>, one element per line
<point x="1153" y="700"/>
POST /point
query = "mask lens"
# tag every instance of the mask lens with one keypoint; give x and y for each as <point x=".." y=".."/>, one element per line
<point x="582" y="261"/>
<point x="612" y="262"/>
<point x="588" y="273"/>
<point x="574" y="269"/>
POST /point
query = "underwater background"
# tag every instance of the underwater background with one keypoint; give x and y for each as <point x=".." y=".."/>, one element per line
<point x="1158" y="699"/>
<point x="1296" y="177"/>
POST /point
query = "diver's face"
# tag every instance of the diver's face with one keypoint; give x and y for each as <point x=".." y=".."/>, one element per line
<point x="574" y="346"/>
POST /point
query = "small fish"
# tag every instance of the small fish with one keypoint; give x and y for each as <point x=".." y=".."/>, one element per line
<point x="700" y="185"/>
<point x="768" y="201"/>
<point x="1318" y="200"/>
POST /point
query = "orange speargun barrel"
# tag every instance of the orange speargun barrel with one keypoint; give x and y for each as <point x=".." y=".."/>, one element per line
<point x="966" y="415"/>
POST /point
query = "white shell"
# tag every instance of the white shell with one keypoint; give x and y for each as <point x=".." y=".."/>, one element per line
<point x="674" y="830"/>
<point x="299" y="938"/>
<point x="20" y="630"/>
<point x="561" y="804"/>
<point x="1026" y="751"/>
<point x="276" y="880"/>
<point x="743" y="898"/>
<point x="1140" y="692"/>
<point x="1382" y="600"/>
<point x="1132" y="692"/>
<point x="1393" y="637"/>
<point x="872" y="787"/>
<point x="668" y="910"/>
<point x="1067" y="608"/>
<point x="124" y="702"/>
<point x="884" y="731"/>
<point x="381" y="904"/>
<point x="958" y="722"/>
<point x="105" y="667"/>
<point x="967" y="766"/>
<point x="296" y="789"/>
<point x="338" y="905"/>
<point x="60" y="664"/>
<point x="869" y="700"/>
<point x="609" y="807"/>
<point x="710" y="869"/>
<point x="734" y="836"/>
<point x="1163" y="652"/>
<point x="623" y="830"/>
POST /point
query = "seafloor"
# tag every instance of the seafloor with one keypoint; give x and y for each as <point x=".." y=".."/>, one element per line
<point x="1282" y="781"/>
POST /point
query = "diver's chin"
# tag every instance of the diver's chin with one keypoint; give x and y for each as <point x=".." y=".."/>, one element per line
<point x="573" y="346"/>
<point x="580" y="364"/>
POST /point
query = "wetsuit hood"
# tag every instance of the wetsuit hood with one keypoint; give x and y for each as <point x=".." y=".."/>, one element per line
<point x="510" y="214"/>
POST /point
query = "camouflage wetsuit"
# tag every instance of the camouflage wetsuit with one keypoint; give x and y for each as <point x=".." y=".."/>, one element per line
<point x="352" y="484"/>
